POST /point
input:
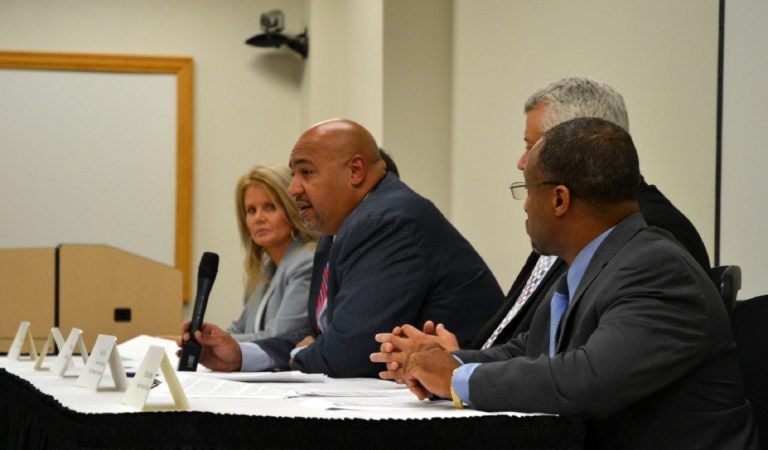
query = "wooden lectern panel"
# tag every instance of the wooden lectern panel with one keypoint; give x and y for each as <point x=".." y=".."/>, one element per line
<point x="104" y="290"/>
<point x="27" y="292"/>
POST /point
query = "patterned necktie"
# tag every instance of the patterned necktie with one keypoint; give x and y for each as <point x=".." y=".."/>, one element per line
<point x="543" y="264"/>
<point x="322" y="300"/>
<point x="558" y="306"/>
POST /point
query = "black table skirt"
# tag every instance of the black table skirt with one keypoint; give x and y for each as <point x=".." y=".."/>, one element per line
<point x="30" y="419"/>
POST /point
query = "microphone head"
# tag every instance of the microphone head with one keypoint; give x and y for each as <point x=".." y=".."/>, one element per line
<point x="209" y="266"/>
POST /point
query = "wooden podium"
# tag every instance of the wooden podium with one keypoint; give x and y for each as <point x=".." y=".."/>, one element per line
<point x="97" y="288"/>
<point x="27" y="292"/>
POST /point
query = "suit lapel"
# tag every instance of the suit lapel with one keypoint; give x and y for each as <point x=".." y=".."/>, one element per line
<point x="621" y="234"/>
<point x="267" y="293"/>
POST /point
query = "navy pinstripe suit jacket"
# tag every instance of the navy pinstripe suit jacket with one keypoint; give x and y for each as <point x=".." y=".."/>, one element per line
<point x="395" y="260"/>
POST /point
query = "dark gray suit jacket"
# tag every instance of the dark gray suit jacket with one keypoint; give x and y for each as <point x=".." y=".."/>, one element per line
<point x="395" y="260"/>
<point x="645" y="352"/>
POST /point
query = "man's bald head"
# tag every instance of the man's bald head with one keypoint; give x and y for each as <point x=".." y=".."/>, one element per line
<point x="339" y="139"/>
<point x="335" y="164"/>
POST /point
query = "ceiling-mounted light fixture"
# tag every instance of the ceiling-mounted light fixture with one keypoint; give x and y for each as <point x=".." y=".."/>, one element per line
<point x="272" y="24"/>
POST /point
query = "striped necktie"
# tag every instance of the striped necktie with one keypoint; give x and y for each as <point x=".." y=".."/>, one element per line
<point x="543" y="264"/>
<point x="322" y="301"/>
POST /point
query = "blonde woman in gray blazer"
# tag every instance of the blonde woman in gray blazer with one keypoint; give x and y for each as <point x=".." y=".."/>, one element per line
<point x="278" y="256"/>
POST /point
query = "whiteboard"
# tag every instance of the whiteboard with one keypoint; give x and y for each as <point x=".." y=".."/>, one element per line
<point x="92" y="156"/>
<point x="80" y="170"/>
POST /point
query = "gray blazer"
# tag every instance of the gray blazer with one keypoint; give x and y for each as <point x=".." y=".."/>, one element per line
<point x="280" y="307"/>
<point x="645" y="352"/>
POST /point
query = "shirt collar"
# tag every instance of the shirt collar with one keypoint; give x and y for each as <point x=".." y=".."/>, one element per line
<point x="580" y="263"/>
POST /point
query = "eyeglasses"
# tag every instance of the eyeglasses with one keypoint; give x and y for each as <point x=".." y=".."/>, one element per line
<point x="520" y="189"/>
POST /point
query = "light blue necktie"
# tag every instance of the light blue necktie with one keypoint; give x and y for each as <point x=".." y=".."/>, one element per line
<point x="558" y="305"/>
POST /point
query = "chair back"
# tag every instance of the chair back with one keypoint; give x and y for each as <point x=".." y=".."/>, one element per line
<point x="748" y="321"/>
<point x="727" y="279"/>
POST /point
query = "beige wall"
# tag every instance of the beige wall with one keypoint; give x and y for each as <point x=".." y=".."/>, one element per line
<point x="387" y="65"/>
<point x="662" y="56"/>
<point x="345" y="67"/>
<point x="418" y="46"/>
<point x="440" y="84"/>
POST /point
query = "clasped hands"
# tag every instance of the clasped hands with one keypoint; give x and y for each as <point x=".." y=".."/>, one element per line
<point x="420" y="359"/>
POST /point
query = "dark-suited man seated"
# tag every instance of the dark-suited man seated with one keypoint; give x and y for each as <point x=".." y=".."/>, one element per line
<point x="555" y="103"/>
<point x="634" y="337"/>
<point x="387" y="256"/>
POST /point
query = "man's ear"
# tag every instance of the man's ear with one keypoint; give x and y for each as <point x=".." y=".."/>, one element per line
<point x="561" y="200"/>
<point x="358" y="170"/>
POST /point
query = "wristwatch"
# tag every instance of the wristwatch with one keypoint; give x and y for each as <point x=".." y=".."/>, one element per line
<point x="456" y="400"/>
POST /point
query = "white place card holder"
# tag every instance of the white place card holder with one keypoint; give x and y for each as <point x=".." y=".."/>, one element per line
<point x="103" y="353"/>
<point x="23" y="334"/>
<point x="54" y="339"/>
<point x="138" y="388"/>
<point x="63" y="360"/>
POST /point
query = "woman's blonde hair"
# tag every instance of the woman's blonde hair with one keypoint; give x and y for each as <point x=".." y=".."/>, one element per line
<point x="274" y="180"/>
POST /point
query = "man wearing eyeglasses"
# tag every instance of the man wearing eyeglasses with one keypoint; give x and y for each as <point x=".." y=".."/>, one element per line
<point x="558" y="102"/>
<point x="635" y="338"/>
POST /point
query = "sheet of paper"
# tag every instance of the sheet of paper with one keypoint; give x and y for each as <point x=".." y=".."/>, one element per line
<point x="293" y="376"/>
<point x="207" y="387"/>
<point x="352" y="387"/>
<point x="330" y="392"/>
<point x="136" y="348"/>
<point x="376" y="404"/>
<point x="395" y="406"/>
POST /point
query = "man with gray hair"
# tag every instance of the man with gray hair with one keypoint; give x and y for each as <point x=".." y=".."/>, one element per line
<point x="560" y="101"/>
<point x="563" y="100"/>
<point x="634" y="337"/>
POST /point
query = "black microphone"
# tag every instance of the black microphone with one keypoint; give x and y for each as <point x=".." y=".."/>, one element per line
<point x="206" y="275"/>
